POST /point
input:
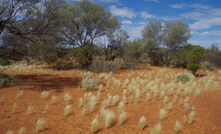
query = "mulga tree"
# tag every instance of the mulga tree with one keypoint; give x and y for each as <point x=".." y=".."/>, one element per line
<point x="84" y="23"/>
<point x="163" y="40"/>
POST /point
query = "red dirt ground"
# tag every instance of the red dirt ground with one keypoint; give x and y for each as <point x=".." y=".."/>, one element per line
<point x="207" y="119"/>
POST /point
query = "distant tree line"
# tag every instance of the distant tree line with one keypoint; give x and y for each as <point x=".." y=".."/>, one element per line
<point x="55" y="30"/>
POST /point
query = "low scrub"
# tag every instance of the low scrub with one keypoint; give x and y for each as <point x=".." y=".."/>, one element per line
<point x="105" y="66"/>
<point x="184" y="77"/>
<point x="89" y="83"/>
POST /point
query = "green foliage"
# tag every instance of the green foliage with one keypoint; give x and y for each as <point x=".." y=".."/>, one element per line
<point x="52" y="58"/>
<point x="63" y="65"/>
<point x="4" y="61"/>
<point x="197" y="54"/>
<point x="193" y="67"/>
<point x="5" y="80"/>
<point x="84" y="55"/>
<point x="162" y="42"/>
<point x="208" y="65"/>
<point x="134" y="52"/>
<point x="183" y="78"/>
<point x="105" y="66"/>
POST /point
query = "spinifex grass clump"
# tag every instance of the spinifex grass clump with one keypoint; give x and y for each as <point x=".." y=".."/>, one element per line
<point x="46" y="109"/>
<point x="137" y="96"/>
<point x="142" y="122"/>
<point x="13" y="108"/>
<point x="94" y="125"/>
<point x="67" y="98"/>
<point x="39" y="125"/>
<point x="44" y="95"/>
<point x="156" y="129"/>
<point x="191" y="117"/>
<point x="89" y="83"/>
<point x="19" y="93"/>
<point x="53" y="99"/>
<point x="108" y="117"/>
<point x="115" y="100"/>
<point x="21" y="130"/>
<point x="183" y="77"/>
<point x="9" y="131"/>
<point x="122" y="117"/>
<point x="80" y="102"/>
<point x="147" y="96"/>
<point x="100" y="87"/>
<point x="163" y="114"/>
<point x="120" y="107"/>
<point x="177" y="127"/>
<point x="29" y="110"/>
<point x="67" y="110"/>
<point x="92" y="103"/>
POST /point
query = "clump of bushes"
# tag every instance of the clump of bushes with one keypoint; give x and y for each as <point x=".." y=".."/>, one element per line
<point x="63" y="65"/>
<point x="208" y="65"/>
<point x="4" y="61"/>
<point x="89" y="83"/>
<point x="193" y="67"/>
<point x="183" y="77"/>
<point x="51" y="59"/>
<point x="6" y="80"/>
<point x="105" y="66"/>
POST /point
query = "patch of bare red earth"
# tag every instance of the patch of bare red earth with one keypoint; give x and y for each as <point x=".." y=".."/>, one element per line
<point x="207" y="119"/>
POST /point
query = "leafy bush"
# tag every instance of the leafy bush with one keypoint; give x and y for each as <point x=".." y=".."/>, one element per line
<point x="208" y="65"/>
<point x="4" y="61"/>
<point x="183" y="77"/>
<point x="84" y="55"/>
<point x="51" y="59"/>
<point x="89" y="83"/>
<point x="193" y="67"/>
<point x="63" y="65"/>
<point x="5" y="80"/>
<point x="105" y="66"/>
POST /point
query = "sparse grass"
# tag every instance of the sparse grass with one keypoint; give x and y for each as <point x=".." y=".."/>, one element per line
<point x="44" y="95"/>
<point x="39" y="125"/>
<point x="142" y="122"/>
<point x="100" y="88"/>
<point x="67" y="110"/>
<point x="122" y="117"/>
<point x="94" y="125"/>
<point x="191" y="117"/>
<point x="163" y="114"/>
<point x="67" y="98"/>
<point x="53" y="99"/>
<point x="124" y="99"/>
<point x="19" y="94"/>
<point x="14" y="108"/>
<point x="184" y="119"/>
<point x="177" y="127"/>
<point x="137" y="96"/>
<point x="29" y="110"/>
<point x="165" y="99"/>
<point x="21" y="130"/>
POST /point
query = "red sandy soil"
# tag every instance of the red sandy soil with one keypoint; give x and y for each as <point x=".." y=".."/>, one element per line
<point x="207" y="119"/>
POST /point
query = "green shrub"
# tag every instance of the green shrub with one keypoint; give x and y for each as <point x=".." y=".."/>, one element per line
<point x="193" y="67"/>
<point x="51" y="58"/>
<point x="4" y="61"/>
<point x="63" y="65"/>
<point x="208" y="65"/>
<point x="183" y="78"/>
<point x="89" y="83"/>
<point x="105" y="66"/>
<point x="5" y="80"/>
